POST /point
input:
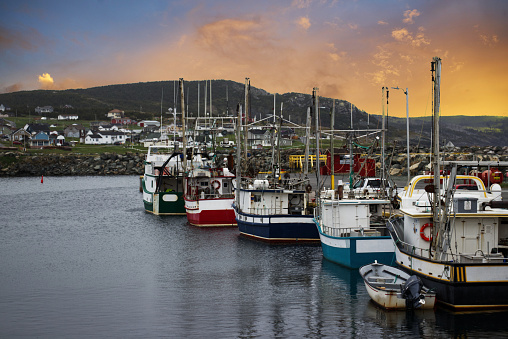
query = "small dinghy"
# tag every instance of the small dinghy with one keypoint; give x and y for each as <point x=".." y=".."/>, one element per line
<point x="392" y="288"/>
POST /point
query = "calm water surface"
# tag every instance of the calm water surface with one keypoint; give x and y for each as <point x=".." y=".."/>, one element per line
<point x="79" y="257"/>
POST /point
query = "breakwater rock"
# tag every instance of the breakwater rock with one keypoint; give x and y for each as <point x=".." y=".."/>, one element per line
<point x="19" y="164"/>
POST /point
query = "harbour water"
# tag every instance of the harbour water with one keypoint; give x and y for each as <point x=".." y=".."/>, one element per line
<point x="79" y="257"/>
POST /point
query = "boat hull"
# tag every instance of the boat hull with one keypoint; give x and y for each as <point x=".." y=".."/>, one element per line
<point x="392" y="300"/>
<point x="460" y="286"/>
<point x="209" y="213"/>
<point x="278" y="228"/>
<point x="354" y="252"/>
<point x="163" y="203"/>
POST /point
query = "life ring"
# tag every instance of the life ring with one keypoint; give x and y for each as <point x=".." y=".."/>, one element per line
<point x="422" y="232"/>
<point x="216" y="184"/>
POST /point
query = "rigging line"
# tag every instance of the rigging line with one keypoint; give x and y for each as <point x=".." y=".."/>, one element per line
<point x="423" y="120"/>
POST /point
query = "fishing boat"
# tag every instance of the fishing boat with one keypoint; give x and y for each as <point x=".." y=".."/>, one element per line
<point x="393" y="289"/>
<point x="162" y="182"/>
<point x="272" y="208"/>
<point x="352" y="219"/>
<point x="209" y="196"/>
<point x="274" y="213"/>
<point x="353" y="231"/>
<point x="454" y="239"/>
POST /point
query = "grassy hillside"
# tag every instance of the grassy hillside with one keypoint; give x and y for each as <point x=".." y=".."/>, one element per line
<point x="143" y="101"/>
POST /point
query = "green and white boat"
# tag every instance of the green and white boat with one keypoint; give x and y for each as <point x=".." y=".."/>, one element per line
<point x="162" y="183"/>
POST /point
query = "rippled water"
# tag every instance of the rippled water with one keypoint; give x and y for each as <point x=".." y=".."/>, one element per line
<point x="80" y="257"/>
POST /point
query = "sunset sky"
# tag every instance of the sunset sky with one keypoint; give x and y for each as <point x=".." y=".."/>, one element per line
<point x="349" y="49"/>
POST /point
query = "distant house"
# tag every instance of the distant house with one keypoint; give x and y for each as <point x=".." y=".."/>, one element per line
<point x="263" y="137"/>
<point x="149" y="123"/>
<point x="33" y="129"/>
<point x="40" y="139"/>
<point x="115" y="113"/>
<point x="122" y="121"/>
<point x="44" y="109"/>
<point x="74" y="131"/>
<point x="259" y="137"/>
<point x="20" y="135"/>
<point x="105" y="137"/>
<point x="6" y="126"/>
<point x="2" y="108"/>
<point x="108" y="127"/>
<point x="68" y="117"/>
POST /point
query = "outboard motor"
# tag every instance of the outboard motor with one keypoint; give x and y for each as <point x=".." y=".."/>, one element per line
<point x="411" y="292"/>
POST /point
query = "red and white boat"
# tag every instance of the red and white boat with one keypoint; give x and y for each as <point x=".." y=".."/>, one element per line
<point x="209" y="197"/>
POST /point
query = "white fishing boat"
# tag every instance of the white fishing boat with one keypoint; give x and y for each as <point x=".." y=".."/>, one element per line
<point x="393" y="289"/>
<point x="352" y="219"/>
<point x="353" y="231"/>
<point x="454" y="239"/>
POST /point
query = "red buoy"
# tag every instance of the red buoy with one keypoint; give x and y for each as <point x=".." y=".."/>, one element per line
<point x="42" y="179"/>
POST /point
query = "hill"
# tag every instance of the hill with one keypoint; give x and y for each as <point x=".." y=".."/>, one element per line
<point x="143" y="101"/>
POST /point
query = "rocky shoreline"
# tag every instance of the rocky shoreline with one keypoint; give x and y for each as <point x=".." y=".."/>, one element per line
<point x="71" y="164"/>
<point x="18" y="164"/>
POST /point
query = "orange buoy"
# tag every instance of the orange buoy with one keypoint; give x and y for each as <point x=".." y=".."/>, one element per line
<point x="422" y="232"/>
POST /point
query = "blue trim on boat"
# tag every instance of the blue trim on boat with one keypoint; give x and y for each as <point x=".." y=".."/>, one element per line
<point x="349" y="257"/>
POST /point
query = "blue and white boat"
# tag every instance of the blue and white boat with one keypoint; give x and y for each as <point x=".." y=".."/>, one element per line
<point x="353" y="231"/>
<point x="275" y="214"/>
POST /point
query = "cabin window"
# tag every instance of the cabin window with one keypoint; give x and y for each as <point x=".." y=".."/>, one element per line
<point x="204" y="183"/>
<point x="225" y="184"/>
<point x="257" y="197"/>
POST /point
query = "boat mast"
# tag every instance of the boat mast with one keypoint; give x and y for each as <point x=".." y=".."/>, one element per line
<point x="238" y="156"/>
<point x="162" y="97"/>
<point x="278" y="140"/>
<point x="184" y="140"/>
<point x="436" y="203"/>
<point x="307" y="142"/>
<point x="332" y="156"/>
<point x="383" y="135"/>
<point x="316" y="111"/>
<point x="246" y="129"/>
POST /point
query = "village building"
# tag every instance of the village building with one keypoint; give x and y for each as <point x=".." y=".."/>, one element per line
<point x="105" y="137"/>
<point x="115" y="113"/>
<point x="44" y="109"/>
<point x="68" y="117"/>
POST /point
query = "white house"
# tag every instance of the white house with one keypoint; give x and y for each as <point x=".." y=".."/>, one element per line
<point x="105" y="137"/>
<point x="147" y="123"/>
<point x="44" y="109"/>
<point x="67" y="117"/>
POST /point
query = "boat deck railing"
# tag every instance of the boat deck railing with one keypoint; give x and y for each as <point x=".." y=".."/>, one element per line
<point x="276" y="211"/>
<point x="204" y="196"/>
<point x="350" y="232"/>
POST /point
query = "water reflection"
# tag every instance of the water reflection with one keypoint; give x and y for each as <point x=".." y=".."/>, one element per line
<point x="81" y="257"/>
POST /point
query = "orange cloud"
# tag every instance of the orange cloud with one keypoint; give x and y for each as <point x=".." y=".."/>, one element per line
<point x="403" y="35"/>
<point x="46" y="81"/>
<point x="304" y="22"/>
<point x="409" y="15"/>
